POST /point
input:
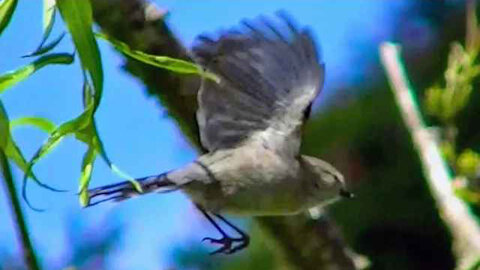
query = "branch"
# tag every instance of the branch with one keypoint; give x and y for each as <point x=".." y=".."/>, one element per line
<point x="454" y="212"/>
<point x="309" y="244"/>
<point x="19" y="221"/>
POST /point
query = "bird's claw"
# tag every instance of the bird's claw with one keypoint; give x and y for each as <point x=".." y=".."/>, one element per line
<point x="227" y="244"/>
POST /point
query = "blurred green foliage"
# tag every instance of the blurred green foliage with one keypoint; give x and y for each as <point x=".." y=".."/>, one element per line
<point x="445" y="102"/>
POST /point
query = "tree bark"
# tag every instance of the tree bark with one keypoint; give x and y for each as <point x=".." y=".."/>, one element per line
<point x="306" y="243"/>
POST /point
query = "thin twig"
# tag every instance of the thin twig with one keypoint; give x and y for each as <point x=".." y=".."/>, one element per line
<point x="455" y="213"/>
<point x="19" y="220"/>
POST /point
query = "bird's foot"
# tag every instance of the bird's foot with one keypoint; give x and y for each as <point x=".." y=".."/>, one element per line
<point x="226" y="243"/>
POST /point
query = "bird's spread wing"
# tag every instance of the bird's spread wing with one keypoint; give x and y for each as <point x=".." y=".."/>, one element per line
<point x="269" y="75"/>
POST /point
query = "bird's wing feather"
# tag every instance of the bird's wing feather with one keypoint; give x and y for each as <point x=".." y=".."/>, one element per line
<point x="269" y="75"/>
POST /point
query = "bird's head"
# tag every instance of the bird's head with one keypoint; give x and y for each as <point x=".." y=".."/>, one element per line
<point x="323" y="181"/>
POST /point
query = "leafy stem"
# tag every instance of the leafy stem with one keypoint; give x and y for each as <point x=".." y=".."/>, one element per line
<point x="19" y="220"/>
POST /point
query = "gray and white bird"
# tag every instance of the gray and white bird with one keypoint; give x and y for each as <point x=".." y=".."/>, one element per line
<point x="250" y="123"/>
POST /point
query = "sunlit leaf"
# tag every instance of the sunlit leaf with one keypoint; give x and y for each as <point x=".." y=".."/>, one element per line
<point x="7" y="143"/>
<point x="12" y="151"/>
<point x="444" y="102"/>
<point x="55" y="138"/>
<point x="99" y="146"/>
<point x="7" y="7"/>
<point x="11" y="78"/>
<point x="90" y="136"/>
<point x="87" y="167"/>
<point x="65" y="129"/>
<point x="467" y="195"/>
<point x="39" y="122"/>
<point x="475" y="265"/>
<point x="468" y="163"/>
<point x="78" y="17"/>
<point x="48" y="16"/>
<point x="433" y="101"/>
<point x="172" y="64"/>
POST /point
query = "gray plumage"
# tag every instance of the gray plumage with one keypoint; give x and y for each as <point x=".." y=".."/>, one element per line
<point x="250" y="122"/>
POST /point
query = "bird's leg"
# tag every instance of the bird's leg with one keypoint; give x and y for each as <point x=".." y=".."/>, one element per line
<point x="244" y="239"/>
<point x="226" y="241"/>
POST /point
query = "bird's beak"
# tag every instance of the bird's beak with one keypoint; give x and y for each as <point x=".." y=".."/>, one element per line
<point x="346" y="194"/>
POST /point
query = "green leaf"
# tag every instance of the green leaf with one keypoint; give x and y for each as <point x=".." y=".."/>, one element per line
<point x="11" y="150"/>
<point x="87" y="167"/>
<point x="172" y="64"/>
<point x="7" y="7"/>
<point x="445" y="102"/>
<point x="433" y="101"/>
<point x="8" y="144"/>
<point x="57" y="135"/>
<point x="124" y="175"/>
<point x="48" y="16"/>
<point x="65" y="129"/>
<point x="78" y="17"/>
<point x="90" y="136"/>
<point x="48" y="22"/>
<point x="475" y="265"/>
<point x="43" y="49"/>
<point x="4" y="127"/>
<point x="39" y="122"/>
<point x="11" y="78"/>
<point x="99" y="146"/>
<point x="468" y="163"/>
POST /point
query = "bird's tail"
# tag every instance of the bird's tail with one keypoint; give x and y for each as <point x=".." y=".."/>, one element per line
<point x="126" y="190"/>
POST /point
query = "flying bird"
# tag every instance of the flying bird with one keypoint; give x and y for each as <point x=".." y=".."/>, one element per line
<point x="250" y="122"/>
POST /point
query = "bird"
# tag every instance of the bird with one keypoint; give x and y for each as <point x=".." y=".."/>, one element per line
<point x="250" y="122"/>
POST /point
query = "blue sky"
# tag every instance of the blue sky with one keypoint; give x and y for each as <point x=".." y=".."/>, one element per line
<point x="137" y="137"/>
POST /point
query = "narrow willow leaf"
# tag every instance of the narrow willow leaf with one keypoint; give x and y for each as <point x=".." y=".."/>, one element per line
<point x="8" y="145"/>
<point x="48" y="22"/>
<point x="65" y="129"/>
<point x="90" y="136"/>
<point x="48" y="16"/>
<point x="99" y="146"/>
<point x="4" y="127"/>
<point x="12" y="151"/>
<point x="11" y="78"/>
<point x="78" y="17"/>
<point x="54" y="139"/>
<point x="43" y="49"/>
<point x="39" y="122"/>
<point x="86" y="176"/>
<point x="172" y="64"/>
<point x="122" y="174"/>
<point x="468" y="163"/>
<point x="7" y="7"/>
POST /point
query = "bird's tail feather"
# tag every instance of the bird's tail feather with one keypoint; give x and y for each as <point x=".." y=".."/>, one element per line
<point x="126" y="190"/>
